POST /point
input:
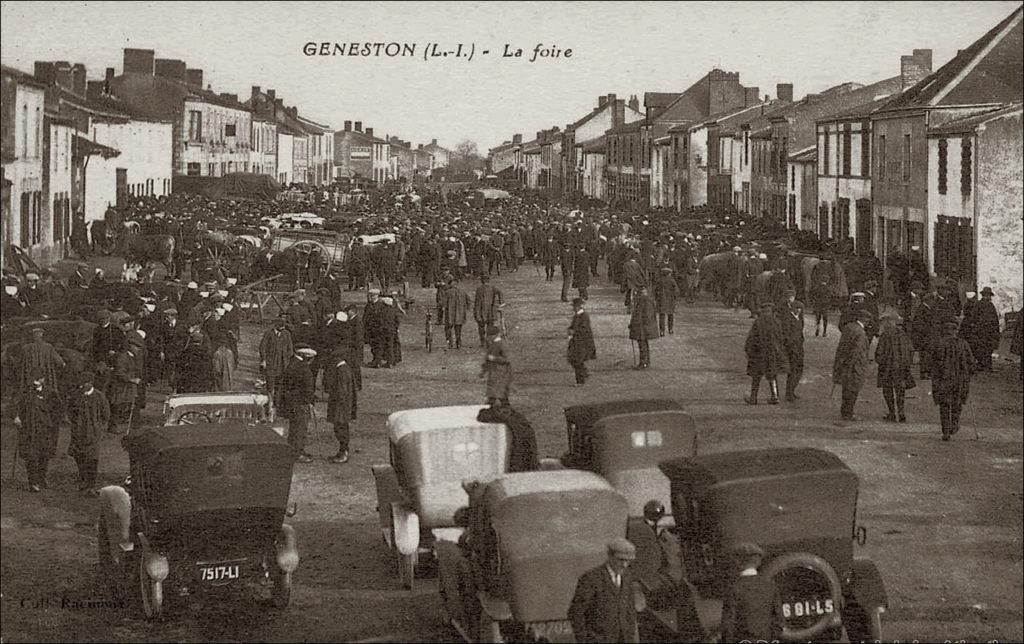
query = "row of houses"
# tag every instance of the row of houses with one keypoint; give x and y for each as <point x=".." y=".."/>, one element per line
<point x="73" y="147"/>
<point x="925" y="161"/>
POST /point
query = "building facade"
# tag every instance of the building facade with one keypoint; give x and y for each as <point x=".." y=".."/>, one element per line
<point x="23" y="101"/>
<point x="142" y="167"/>
<point x="263" y="151"/>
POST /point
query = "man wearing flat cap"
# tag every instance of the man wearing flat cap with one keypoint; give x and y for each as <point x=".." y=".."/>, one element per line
<point x="297" y="398"/>
<point x="849" y="369"/>
<point x="952" y="366"/>
<point x="603" y="608"/>
<point x="749" y="608"/>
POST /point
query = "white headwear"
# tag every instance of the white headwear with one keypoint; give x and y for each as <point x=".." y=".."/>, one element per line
<point x="193" y="285"/>
<point x="204" y="294"/>
<point x="232" y="281"/>
<point x="227" y="306"/>
<point x="141" y="333"/>
<point x="762" y="256"/>
<point x="387" y="300"/>
<point x="11" y="290"/>
<point x="222" y="293"/>
<point x="341" y="316"/>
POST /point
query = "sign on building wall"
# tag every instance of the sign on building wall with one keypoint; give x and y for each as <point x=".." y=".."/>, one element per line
<point x="359" y="153"/>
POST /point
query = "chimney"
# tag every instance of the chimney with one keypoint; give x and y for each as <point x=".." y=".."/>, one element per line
<point x="914" y="68"/>
<point x="95" y="88"/>
<point x="139" y="60"/>
<point x="369" y="132"/>
<point x="784" y="92"/>
<point x="618" y="110"/>
<point x="348" y="126"/>
<point x="751" y="96"/>
<point x="78" y="78"/>
<point x="602" y="101"/>
<point x="254" y="94"/>
<point x="278" y="105"/>
<point x="194" y="78"/>
<point x="433" y="141"/>
<point x="420" y="146"/>
<point x="359" y="126"/>
<point x="173" y="69"/>
<point x="45" y="72"/>
<point x="229" y="97"/>
<point x="517" y="139"/>
<point x="271" y="95"/>
<point x="634" y="103"/>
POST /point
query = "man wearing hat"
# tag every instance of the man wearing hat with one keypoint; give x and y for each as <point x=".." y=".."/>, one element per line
<point x="498" y="369"/>
<point x="38" y="422"/>
<point x="89" y="414"/>
<point x="894" y="357"/>
<point x="487" y="302"/>
<point x="792" y="322"/>
<point x="341" y="396"/>
<point x="581" y="342"/>
<point x="297" y="398"/>
<point x="602" y="608"/>
<point x="766" y="354"/>
<point x="750" y="606"/>
<point x="567" y="258"/>
<point x="643" y="325"/>
<point x="980" y="329"/>
<point x="849" y="369"/>
<point x="39" y="359"/>
<point x="373" y="325"/>
<point x="666" y="290"/>
<point x="951" y="369"/>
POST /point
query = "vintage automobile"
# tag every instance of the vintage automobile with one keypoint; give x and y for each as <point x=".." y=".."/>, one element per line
<point x="203" y="507"/>
<point x="529" y="537"/>
<point x="624" y="441"/>
<point x="221" y="406"/>
<point x="432" y="451"/>
<point x="799" y="505"/>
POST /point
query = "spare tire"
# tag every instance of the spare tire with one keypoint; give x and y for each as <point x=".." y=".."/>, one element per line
<point x="810" y="594"/>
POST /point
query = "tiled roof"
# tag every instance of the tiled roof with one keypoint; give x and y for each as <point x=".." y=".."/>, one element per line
<point x="1006" y="76"/>
<point x="23" y="77"/>
<point x="660" y="99"/>
<point x="628" y="127"/>
<point x="595" y="145"/>
<point x="806" y="155"/>
<point x="969" y="123"/>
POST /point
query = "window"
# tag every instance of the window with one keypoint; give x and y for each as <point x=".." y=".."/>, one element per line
<point x="24" y="141"/>
<point x="229" y="129"/>
<point x="646" y="439"/>
<point x="195" y="125"/>
<point x="38" y="130"/>
<point x="865" y="149"/>
<point x="792" y="178"/>
<point x="223" y="168"/>
<point x="37" y="217"/>
<point x="943" y="158"/>
<point x="906" y="158"/>
<point x="211" y="169"/>
<point x="966" y="166"/>
<point x="847" y="151"/>
<point x="881" y="156"/>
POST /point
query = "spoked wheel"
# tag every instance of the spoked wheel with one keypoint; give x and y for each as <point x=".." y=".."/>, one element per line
<point x="151" y="593"/>
<point x="406" y="569"/>
<point x="193" y="418"/>
<point x="307" y="246"/>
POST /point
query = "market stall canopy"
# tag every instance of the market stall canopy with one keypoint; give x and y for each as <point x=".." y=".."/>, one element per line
<point x="240" y="186"/>
<point x="492" y="193"/>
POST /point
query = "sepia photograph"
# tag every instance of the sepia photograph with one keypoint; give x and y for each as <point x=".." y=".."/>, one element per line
<point x="512" y="321"/>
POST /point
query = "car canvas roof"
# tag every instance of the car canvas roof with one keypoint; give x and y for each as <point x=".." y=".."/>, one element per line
<point x="590" y="413"/>
<point x="217" y="398"/>
<point x="726" y="467"/>
<point x="411" y="421"/>
<point x="231" y="433"/>
<point x="553" y="482"/>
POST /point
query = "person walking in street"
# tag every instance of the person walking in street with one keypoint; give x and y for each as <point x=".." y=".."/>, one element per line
<point x="951" y="369"/>
<point x="455" y="307"/>
<point x="821" y="300"/>
<point x="633" y="277"/>
<point x="498" y="369"/>
<point x="38" y="424"/>
<point x="643" y="325"/>
<point x="297" y="398"/>
<point x="602" y="608"/>
<point x="792" y="322"/>
<point x="666" y="290"/>
<point x="581" y="342"/>
<point x="850" y="366"/>
<point x="124" y="382"/>
<point x="341" y="395"/>
<point x="581" y="273"/>
<point x="373" y="325"/>
<point x="766" y="354"/>
<point x="750" y="606"/>
<point x="486" y="304"/>
<point x="895" y="358"/>
<point x="568" y="269"/>
<point x="980" y="329"/>
<point x="89" y="414"/>
<point x="39" y="358"/>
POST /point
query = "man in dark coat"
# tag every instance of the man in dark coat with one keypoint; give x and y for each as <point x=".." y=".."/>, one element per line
<point x="980" y="329"/>
<point x="581" y="342"/>
<point x="766" y="354"/>
<point x="643" y="325"/>
<point x="454" y="308"/>
<point x="894" y="357"/>
<point x="849" y="369"/>
<point x="357" y="344"/>
<point x="750" y="606"/>
<point x="952" y="366"/>
<point x="195" y="364"/>
<point x="297" y="397"/>
<point x="633" y="276"/>
<point x="666" y="290"/>
<point x="568" y="268"/>
<point x="89" y="414"/>
<point x="341" y="395"/>
<point x="107" y="340"/>
<point x="38" y="423"/>
<point x="581" y="273"/>
<point x="373" y="324"/>
<point x="792" y="322"/>
<point x="498" y="369"/>
<point x="486" y="304"/>
<point x="602" y="608"/>
<point x="124" y="382"/>
<point x="549" y="254"/>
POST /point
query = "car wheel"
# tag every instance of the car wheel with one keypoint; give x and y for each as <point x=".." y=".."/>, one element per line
<point x="406" y="569"/>
<point x="151" y="593"/>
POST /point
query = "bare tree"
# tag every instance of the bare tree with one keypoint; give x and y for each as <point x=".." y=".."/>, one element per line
<point x="465" y="159"/>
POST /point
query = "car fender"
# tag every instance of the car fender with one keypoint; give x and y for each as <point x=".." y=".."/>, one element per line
<point x="116" y="512"/>
<point x="405" y="525"/>
<point x="866" y="586"/>
<point x="285" y="549"/>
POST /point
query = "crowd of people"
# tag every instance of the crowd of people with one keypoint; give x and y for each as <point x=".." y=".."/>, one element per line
<point x="183" y="332"/>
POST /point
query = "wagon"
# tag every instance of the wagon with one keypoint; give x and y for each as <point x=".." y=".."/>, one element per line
<point x="799" y="505"/>
<point x="432" y="451"/>
<point x="529" y="537"/>
<point x="203" y="509"/>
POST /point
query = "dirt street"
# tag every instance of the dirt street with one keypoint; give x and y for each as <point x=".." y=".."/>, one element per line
<point x="944" y="519"/>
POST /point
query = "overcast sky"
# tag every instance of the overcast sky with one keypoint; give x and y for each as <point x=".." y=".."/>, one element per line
<point x="617" y="48"/>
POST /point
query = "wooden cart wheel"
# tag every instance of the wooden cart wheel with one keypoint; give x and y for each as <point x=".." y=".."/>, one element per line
<point x="151" y="593"/>
<point x="306" y="246"/>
